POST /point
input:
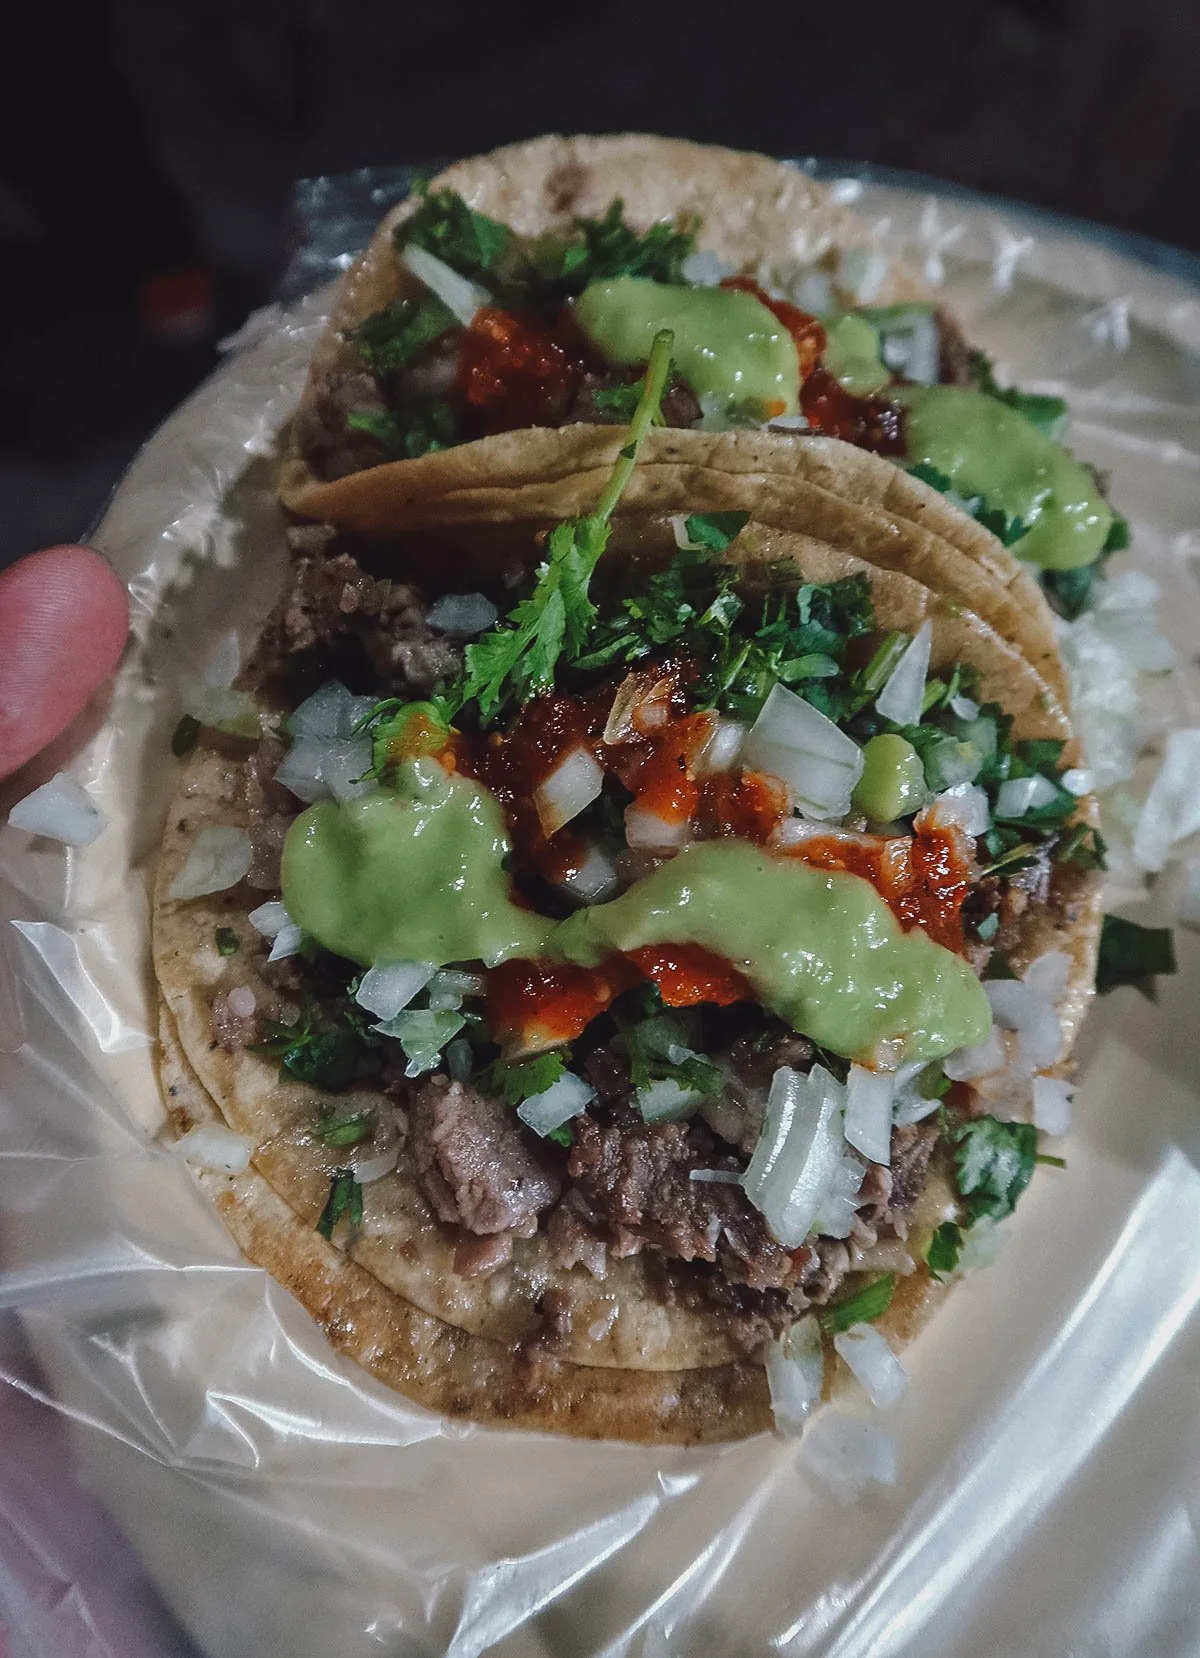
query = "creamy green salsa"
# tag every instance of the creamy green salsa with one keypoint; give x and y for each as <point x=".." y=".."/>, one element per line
<point x="420" y="876"/>
<point x="412" y="876"/>
<point x="728" y="347"/>
<point x="821" y="948"/>
<point x="987" y="448"/>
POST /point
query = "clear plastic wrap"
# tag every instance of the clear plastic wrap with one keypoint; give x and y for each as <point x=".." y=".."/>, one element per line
<point x="279" y="1500"/>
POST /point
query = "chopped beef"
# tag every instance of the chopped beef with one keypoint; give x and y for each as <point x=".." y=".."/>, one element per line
<point x="333" y="600"/>
<point x="680" y="406"/>
<point x="232" y="1031"/>
<point x="828" y="1263"/>
<point x="575" y="1236"/>
<point x="636" y="1181"/>
<point x="331" y="447"/>
<point x="912" y="1147"/>
<point x="473" y="1162"/>
<point x="311" y="540"/>
<point x="270" y="809"/>
<point x="754" y="1060"/>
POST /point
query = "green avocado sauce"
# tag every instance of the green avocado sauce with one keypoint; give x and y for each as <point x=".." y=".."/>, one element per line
<point x="987" y="448"/>
<point x="821" y="948"/>
<point x="728" y="347"/>
<point x="412" y="876"/>
<point x="852" y="355"/>
<point x="420" y="877"/>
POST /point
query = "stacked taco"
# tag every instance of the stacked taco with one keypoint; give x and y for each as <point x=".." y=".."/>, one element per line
<point x="610" y="967"/>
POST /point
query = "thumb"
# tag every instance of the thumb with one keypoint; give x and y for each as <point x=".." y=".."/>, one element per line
<point x="64" y="617"/>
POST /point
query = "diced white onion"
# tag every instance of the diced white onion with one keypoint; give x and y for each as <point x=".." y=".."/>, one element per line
<point x="463" y="614"/>
<point x="62" y="810"/>
<point x="455" y="982"/>
<point x="982" y="1244"/>
<point x="910" y="1104"/>
<point x="286" y="943"/>
<point x="556" y="1105"/>
<point x="456" y="292"/>
<point x="705" y="269"/>
<point x="798" y="1154"/>
<point x="984" y="1059"/>
<point x="222" y="666"/>
<point x="965" y="707"/>
<point x="722" y="749"/>
<point x="234" y="712"/>
<point x="369" y="1169"/>
<point x="242" y="1001"/>
<point x="1052" y="1104"/>
<point x="318" y="768"/>
<point x="270" y="918"/>
<point x="794" y="741"/>
<point x="646" y="831"/>
<point x="789" y="423"/>
<point x="1172" y="809"/>
<point x="869" y="1112"/>
<point x="1077" y="781"/>
<point x="574" y="783"/>
<point x="902" y="697"/>
<point x="1048" y="975"/>
<point x="218" y="858"/>
<point x="1018" y="1007"/>
<point x="390" y="986"/>
<point x="965" y="805"/>
<point x="715" y="1177"/>
<point x="595" y="879"/>
<point x="667" y="1101"/>
<point x="848" y="1453"/>
<point x="863" y="271"/>
<point x="874" y="1365"/>
<point x="838" y="1208"/>
<point x="910" y="347"/>
<point x="330" y="712"/>
<point x="795" y="1375"/>
<point x="1023" y="794"/>
<point x="212" y="1146"/>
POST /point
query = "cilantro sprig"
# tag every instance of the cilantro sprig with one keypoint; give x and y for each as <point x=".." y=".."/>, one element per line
<point x="859" y="1307"/>
<point x="345" y="1198"/>
<point x="993" y="1163"/>
<point x="516" y="660"/>
<point x="331" y="1056"/>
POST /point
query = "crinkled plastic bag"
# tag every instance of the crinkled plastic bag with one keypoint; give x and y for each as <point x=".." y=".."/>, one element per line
<point x="283" y="1502"/>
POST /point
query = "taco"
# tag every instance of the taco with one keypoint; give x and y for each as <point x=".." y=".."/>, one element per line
<point x="502" y="316"/>
<point x="650" y="990"/>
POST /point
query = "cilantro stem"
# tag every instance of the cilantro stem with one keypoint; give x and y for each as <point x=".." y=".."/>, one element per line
<point x="657" y="370"/>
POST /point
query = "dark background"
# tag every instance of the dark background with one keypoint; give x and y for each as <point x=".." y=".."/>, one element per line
<point x="148" y="147"/>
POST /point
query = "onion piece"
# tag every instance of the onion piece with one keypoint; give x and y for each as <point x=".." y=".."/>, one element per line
<point x="1052" y="1104"/>
<point x="910" y="1104"/>
<point x="242" y="1001"/>
<point x="270" y="918"/>
<point x="868" y="1128"/>
<point x="457" y="293"/>
<point x="218" y="858"/>
<point x="318" y="768"/>
<point x="234" y="712"/>
<point x="62" y="810"/>
<point x="330" y="712"/>
<point x="965" y="707"/>
<point x="455" y="981"/>
<point x="556" y="1105"/>
<point x="463" y="614"/>
<point x="982" y="1244"/>
<point x="287" y="942"/>
<point x="213" y="1146"/>
<point x="838" y="1208"/>
<point x="1018" y="1007"/>
<point x="715" y="1177"/>
<point x="390" y="986"/>
<point x="369" y="1169"/>
<point x="222" y="666"/>
<point x="798" y="1153"/>
<point x="1023" y="794"/>
<point x="667" y="1101"/>
<point x="794" y="741"/>
<point x="1076" y="781"/>
<point x="1049" y="974"/>
<point x="873" y="1364"/>
<point x="571" y="787"/>
<point x="795" y="1374"/>
<point x="984" y="1059"/>
<point x="596" y="877"/>
<point x="848" y="1453"/>
<point x="646" y="831"/>
<point x="902" y="697"/>
<point x="965" y="806"/>
<point x="721" y="751"/>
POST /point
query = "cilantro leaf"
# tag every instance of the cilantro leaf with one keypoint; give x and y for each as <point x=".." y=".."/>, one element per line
<point x="344" y="1131"/>
<point x="1118" y="537"/>
<point x="618" y="401"/>
<point x="521" y="1079"/>
<point x="715" y="530"/>
<point x="1132" y="954"/>
<point x="227" y="941"/>
<point x="1003" y="526"/>
<point x="1083" y="847"/>
<point x="861" y="1307"/>
<point x="944" y="1249"/>
<point x="1048" y="414"/>
<point x="609" y="247"/>
<point x="563" y="1135"/>
<point x="444" y="225"/>
<point x="331" y="1057"/>
<point x="389" y="338"/>
<point x="345" y="1198"/>
<point x="993" y="1162"/>
<point x="1070" y="591"/>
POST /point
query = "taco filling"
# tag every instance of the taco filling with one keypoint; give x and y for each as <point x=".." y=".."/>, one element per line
<point x="494" y="331"/>
<point x="686" y="917"/>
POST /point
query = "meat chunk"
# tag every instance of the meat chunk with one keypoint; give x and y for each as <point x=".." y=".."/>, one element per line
<point x="473" y="1162"/>
<point x="636" y="1181"/>
<point x="912" y="1147"/>
<point x="332" y="448"/>
<point x="575" y="1237"/>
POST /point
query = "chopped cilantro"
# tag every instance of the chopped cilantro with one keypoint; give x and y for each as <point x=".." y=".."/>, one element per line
<point x="522" y="1079"/>
<point x="1070" y="591"/>
<point x="862" y="1307"/>
<point x="619" y="401"/>
<point x="388" y="339"/>
<point x="563" y="1135"/>
<point x="1003" y="526"/>
<point x="1118" y="537"/>
<point x="715" y="530"/>
<point x="428" y="426"/>
<point x="1082" y="846"/>
<point x="1048" y="414"/>
<point x="515" y="660"/>
<point x="993" y="1162"/>
<point x="1132" y="954"/>
<point x="656" y="1054"/>
<point x="330" y="1057"/>
<point x="344" y="1131"/>
<point x="445" y="226"/>
<point x="608" y="247"/>
<point x="944" y="1249"/>
<point x="226" y="941"/>
<point x="183" y="738"/>
<point x="345" y="1198"/>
